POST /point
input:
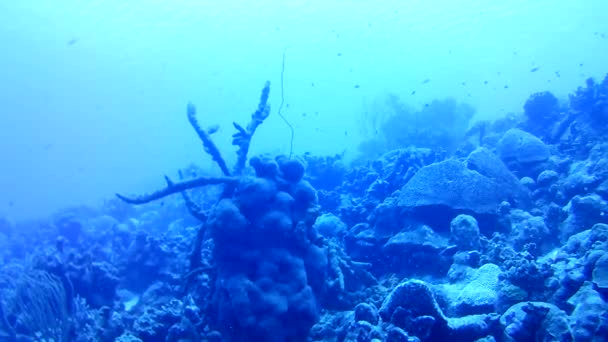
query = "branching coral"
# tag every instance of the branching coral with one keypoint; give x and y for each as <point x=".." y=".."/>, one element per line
<point x="269" y="264"/>
<point x="241" y="139"/>
<point x="173" y="188"/>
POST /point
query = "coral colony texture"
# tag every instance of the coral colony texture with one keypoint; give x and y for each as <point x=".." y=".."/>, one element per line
<point x="497" y="232"/>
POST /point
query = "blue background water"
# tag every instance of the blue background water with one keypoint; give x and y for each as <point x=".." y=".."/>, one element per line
<point x="93" y="93"/>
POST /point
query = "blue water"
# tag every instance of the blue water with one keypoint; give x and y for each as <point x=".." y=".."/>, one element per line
<point x="93" y="92"/>
<point x="93" y="98"/>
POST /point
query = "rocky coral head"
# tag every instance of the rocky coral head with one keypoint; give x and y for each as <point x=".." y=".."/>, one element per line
<point x="264" y="166"/>
<point x="292" y="170"/>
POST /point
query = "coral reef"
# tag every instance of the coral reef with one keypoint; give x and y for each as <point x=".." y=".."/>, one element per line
<point x="500" y="239"/>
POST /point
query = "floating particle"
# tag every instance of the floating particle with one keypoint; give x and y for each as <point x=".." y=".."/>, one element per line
<point x="485" y="82"/>
<point x="426" y="81"/>
<point x="357" y="86"/>
<point x="535" y="69"/>
<point x="72" y="41"/>
<point x="463" y="83"/>
<point x="345" y="133"/>
<point x="304" y="115"/>
<point x="506" y="86"/>
<point x="426" y="105"/>
<point x="339" y="54"/>
<point x="580" y="64"/>
<point x="312" y="84"/>
<point x="317" y="113"/>
<point x="11" y="203"/>
<point x="557" y="74"/>
<point x="413" y="92"/>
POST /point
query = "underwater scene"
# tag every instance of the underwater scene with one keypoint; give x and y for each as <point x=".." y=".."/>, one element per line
<point x="303" y="170"/>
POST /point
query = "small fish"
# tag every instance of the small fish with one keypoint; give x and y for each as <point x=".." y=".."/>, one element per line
<point x="485" y="82"/>
<point x="303" y="115"/>
<point x="11" y="203"/>
<point x="339" y="54"/>
<point x="580" y="64"/>
<point x="557" y="74"/>
<point x="535" y="69"/>
<point x="426" y="81"/>
<point x="345" y="133"/>
<point x="463" y="83"/>
<point x="357" y="86"/>
<point x="72" y="41"/>
<point x="312" y="84"/>
<point x="506" y="86"/>
<point x="413" y="92"/>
